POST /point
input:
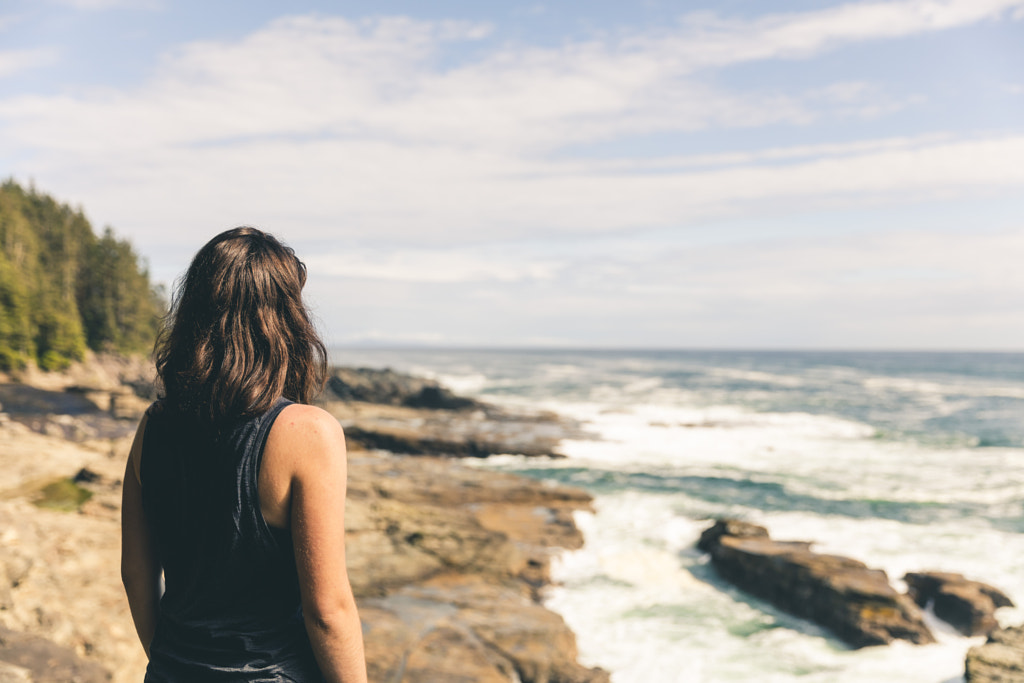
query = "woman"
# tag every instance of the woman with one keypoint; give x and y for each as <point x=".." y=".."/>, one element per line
<point x="235" y="488"/>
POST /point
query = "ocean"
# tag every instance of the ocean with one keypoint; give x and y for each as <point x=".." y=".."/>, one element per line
<point x="905" y="461"/>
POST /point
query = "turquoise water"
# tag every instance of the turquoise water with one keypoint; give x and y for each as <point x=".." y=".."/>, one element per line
<point x="907" y="461"/>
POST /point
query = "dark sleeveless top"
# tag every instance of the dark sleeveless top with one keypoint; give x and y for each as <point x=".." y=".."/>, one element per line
<point x="230" y="611"/>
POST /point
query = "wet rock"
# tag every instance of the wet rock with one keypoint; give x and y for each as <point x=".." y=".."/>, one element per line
<point x="390" y="411"/>
<point x="451" y="443"/>
<point x="388" y="387"/>
<point x="999" y="660"/>
<point x="842" y="594"/>
<point x="969" y="606"/>
<point x="729" y="527"/>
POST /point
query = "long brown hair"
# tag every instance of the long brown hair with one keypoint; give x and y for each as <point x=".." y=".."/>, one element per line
<point x="238" y="335"/>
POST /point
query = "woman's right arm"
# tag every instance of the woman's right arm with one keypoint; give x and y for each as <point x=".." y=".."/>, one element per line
<point x="311" y="441"/>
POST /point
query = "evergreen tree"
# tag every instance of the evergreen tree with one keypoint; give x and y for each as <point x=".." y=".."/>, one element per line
<point x="62" y="289"/>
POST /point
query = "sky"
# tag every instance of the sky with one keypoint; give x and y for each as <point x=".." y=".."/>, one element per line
<point x="779" y="174"/>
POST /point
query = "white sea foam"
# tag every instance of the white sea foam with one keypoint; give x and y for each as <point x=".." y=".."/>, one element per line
<point x="637" y="597"/>
<point x="939" y="389"/>
<point x="469" y="383"/>
<point x="756" y="376"/>
<point x="685" y="438"/>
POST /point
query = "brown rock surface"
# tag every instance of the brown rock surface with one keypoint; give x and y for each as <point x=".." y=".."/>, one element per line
<point x="59" y="577"/>
<point x="37" y="660"/>
<point x="999" y="660"/>
<point x="842" y="594"/>
<point x="968" y="605"/>
<point x="499" y="628"/>
<point x="447" y="560"/>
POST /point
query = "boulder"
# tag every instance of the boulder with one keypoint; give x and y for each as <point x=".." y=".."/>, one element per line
<point x="969" y="606"/>
<point x="999" y="660"/>
<point x="729" y="527"/>
<point x="853" y="601"/>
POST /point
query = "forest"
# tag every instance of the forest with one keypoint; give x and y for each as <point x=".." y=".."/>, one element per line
<point x="65" y="289"/>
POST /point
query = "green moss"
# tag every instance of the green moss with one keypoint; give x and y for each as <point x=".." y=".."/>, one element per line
<point x="62" y="494"/>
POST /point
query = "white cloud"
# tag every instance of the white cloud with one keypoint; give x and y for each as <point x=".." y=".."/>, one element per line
<point x="890" y="289"/>
<point x="713" y="41"/>
<point x="15" y="61"/>
<point x="334" y="129"/>
<point x="431" y="265"/>
<point x="321" y="75"/>
<point x="100" y="5"/>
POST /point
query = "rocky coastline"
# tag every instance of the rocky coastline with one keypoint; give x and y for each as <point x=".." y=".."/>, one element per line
<point x="448" y="561"/>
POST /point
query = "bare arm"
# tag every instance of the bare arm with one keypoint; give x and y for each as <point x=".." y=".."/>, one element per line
<point x="140" y="569"/>
<point x="312" y="443"/>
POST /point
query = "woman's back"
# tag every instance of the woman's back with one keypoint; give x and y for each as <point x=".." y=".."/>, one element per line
<point x="221" y="454"/>
<point x="230" y="610"/>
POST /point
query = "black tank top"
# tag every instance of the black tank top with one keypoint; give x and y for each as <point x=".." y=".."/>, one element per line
<point x="230" y="609"/>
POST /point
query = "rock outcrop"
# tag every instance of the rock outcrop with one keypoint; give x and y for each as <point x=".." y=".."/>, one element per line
<point x="842" y="594"/>
<point x="1000" y="660"/>
<point x="447" y="562"/>
<point x="369" y="385"/>
<point x="389" y="411"/>
<point x="969" y="606"/>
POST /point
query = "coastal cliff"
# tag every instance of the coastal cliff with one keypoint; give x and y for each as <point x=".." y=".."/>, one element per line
<point x="448" y="561"/>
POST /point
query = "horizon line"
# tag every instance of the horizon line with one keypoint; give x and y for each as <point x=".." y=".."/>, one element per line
<point x="406" y="346"/>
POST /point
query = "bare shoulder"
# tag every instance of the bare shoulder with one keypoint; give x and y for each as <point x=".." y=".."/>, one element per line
<point x="306" y="431"/>
<point x="299" y="418"/>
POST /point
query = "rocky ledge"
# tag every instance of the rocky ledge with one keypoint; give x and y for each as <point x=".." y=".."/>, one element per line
<point x="844" y="595"/>
<point x="841" y="594"/>
<point x="386" y="410"/>
<point x="1000" y="660"/>
<point x="448" y="560"/>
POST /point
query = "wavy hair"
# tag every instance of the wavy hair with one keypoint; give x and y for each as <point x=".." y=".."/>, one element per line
<point x="238" y="335"/>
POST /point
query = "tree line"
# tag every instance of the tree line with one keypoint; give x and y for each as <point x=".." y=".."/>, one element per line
<point x="64" y="289"/>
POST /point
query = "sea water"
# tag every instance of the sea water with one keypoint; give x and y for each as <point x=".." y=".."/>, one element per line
<point x="906" y="461"/>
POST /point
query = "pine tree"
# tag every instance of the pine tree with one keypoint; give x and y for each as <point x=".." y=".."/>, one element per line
<point x="63" y="290"/>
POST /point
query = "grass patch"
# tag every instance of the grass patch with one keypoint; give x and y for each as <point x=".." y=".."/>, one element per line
<point x="63" y="494"/>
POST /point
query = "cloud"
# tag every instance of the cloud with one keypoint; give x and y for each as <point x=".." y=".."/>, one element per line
<point x="100" y="5"/>
<point x="339" y="128"/>
<point x="891" y="289"/>
<point x="432" y="265"/>
<point x="712" y="41"/>
<point x="16" y="61"/>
